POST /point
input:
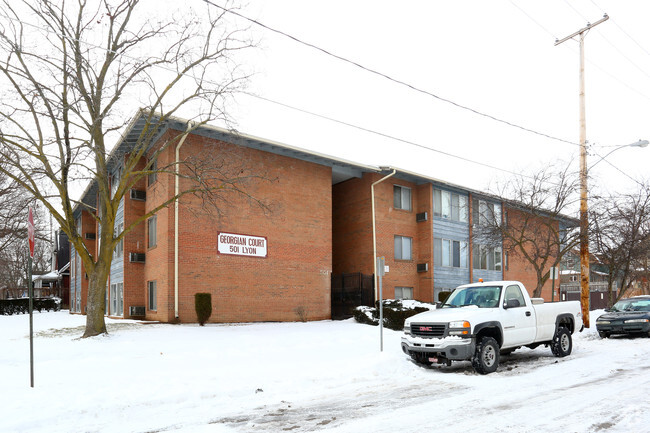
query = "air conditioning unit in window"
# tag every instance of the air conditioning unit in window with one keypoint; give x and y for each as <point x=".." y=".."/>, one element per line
<point x="136" y="257"/>
<point x="136" y="311"/>
<point x="420" y="217"/>
<point x="137" y="194"/>
<point x="423" y="267"/>
<point x="90" y="236"/>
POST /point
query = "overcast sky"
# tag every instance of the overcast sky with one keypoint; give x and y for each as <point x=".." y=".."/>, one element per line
<point x="495" y="57"/>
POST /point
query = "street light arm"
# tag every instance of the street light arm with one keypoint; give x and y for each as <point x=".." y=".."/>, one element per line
<point x="640" y="143"/>
<point x="374" y="233"/>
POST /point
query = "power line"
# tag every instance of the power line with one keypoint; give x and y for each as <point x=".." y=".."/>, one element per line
<point x="394" y="80"/>
<point x="311" y="113"/>
<point x="624" y="32"/>
<point x="385" y="135"/>
<point x="612" y="76"/>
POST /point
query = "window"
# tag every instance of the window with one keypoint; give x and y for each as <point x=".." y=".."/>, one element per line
<point x="403" y="292"/>
<point x="153" y="176"/>
<point x="514" y="292"/>
<point x="485" y="213"/>
<point x="119" y="247"/>
<point x="153" y="298"/>
<point x="115" y="181"/>
<point x="401" y="197"/>
<point x="117" y="300"/>
<point x="403" y="248"/>
<point x="151" y="228"/>
<point x="450" y="253"/>
<point x="449" y="205"/>
<point x="487" y="258"/>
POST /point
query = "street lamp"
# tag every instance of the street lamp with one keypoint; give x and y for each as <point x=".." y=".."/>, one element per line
<point x="585" y="292"/>
<point x="640" y="143"/>
<point x="374" y="254"/>
<point x="374" y="231"/>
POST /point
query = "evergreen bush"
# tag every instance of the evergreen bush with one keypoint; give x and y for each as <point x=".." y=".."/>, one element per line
<point x="203" y="306"/>
<point x="395" y="313"/>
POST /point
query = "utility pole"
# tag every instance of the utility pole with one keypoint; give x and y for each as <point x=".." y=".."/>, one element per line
<point x="584" y="218"/>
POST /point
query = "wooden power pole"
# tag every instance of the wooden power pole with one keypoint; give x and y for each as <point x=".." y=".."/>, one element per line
<point x="584" y="219"/>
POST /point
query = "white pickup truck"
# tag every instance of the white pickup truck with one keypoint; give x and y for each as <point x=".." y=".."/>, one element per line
<point x="480" y="321"/>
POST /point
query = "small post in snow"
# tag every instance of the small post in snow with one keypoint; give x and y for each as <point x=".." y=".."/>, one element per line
<point x="30" y="289"/>
<point x="381" y="269"/>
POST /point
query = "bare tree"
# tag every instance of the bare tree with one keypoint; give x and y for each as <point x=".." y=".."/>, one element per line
<point x="534" y="226"/>
<point x="620" y="236"/>
<point x="68" y="71"/>
<point x="14" y="205"/>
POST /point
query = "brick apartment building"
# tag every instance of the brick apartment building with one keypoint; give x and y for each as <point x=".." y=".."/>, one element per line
<point x="274" y="262"/>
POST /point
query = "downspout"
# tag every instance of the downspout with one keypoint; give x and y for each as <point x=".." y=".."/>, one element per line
<point x="177" y="188"/>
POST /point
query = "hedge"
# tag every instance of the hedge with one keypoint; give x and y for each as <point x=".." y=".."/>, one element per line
<point x="395" y="313"/>
<point x="21" y="305"/>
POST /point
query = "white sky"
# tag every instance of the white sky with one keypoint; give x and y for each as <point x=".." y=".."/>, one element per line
<point x="497" y="57"/>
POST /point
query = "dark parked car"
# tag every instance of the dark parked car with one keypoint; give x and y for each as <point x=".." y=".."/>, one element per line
<point x="627" y="316"/>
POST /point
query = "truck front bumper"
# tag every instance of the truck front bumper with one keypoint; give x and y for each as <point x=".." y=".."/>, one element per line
<point x="438" y="349"/>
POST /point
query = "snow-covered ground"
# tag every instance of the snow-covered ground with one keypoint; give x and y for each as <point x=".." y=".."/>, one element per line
<point x="300" y="377"/>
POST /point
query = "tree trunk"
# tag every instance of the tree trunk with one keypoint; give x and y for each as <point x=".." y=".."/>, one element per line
<point x="95" y="305"/>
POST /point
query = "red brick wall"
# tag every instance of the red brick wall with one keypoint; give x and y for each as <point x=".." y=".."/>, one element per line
<point x="353" y="232"/>
<point x="424" y="290"/>
<point x="297" y="222"/>
<point x="135" y="290"/>
<point x="352" y="226"/>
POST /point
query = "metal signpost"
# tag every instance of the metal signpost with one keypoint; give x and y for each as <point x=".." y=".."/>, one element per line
<point x="380" y="273"/>
<point x="30" y="286"/>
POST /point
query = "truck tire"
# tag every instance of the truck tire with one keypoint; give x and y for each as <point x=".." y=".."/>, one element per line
<point x="486" y="357"/>
<point x="562" y="343"/>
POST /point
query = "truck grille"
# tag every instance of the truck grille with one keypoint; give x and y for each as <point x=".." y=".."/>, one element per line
<point x="428" y="330"/>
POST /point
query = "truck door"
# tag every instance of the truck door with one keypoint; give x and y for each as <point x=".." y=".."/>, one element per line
<point x="518" y="321"/>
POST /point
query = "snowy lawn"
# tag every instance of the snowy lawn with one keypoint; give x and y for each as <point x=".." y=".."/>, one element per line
<point x="299" y="377"/>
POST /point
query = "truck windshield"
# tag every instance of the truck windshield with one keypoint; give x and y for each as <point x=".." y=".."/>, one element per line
<point x="482" y="297"/>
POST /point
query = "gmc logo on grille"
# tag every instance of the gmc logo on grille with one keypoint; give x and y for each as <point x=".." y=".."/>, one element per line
<point x="426" y="328"/>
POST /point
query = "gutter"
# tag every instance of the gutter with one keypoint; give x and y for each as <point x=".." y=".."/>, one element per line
<point x="176" y="192"/>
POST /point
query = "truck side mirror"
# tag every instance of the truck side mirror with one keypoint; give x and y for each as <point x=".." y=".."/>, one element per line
<point x="511" y="303"/>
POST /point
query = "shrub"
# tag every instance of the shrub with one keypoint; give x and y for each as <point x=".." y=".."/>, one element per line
<point x="395" y="313"/>
<point x="203" y="306"/>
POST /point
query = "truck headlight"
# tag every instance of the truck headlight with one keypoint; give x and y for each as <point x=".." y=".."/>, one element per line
<point x="602" y="322"/>
<point x="459" y="327"/>
<point x="407" y="328"/>
<point x="637" y="321"/>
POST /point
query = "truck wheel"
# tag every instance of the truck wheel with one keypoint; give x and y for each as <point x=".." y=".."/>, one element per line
<point x="562" y="343"/>
<point x="486" y="357"/>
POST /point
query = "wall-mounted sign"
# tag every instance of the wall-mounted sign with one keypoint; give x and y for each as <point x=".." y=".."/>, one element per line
<point x="241" y="245"/>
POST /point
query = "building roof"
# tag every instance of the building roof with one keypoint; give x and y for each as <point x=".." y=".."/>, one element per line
<point x="341" y="169"/>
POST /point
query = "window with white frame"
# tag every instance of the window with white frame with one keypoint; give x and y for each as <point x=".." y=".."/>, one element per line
<point x="401" y="197"/>
<point x="153" y="295"/>
<point x="450" y="253"/>
<point x="403" y="292"/>
<point x="118" y="251"/>
<point x="488" y="258"/>
<point x="450" y="205"/>
<point x="403" y="248"/>
<point x="117" y="299"/>
<point x="151" y="229"/>
<point x="485" y="214"/>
